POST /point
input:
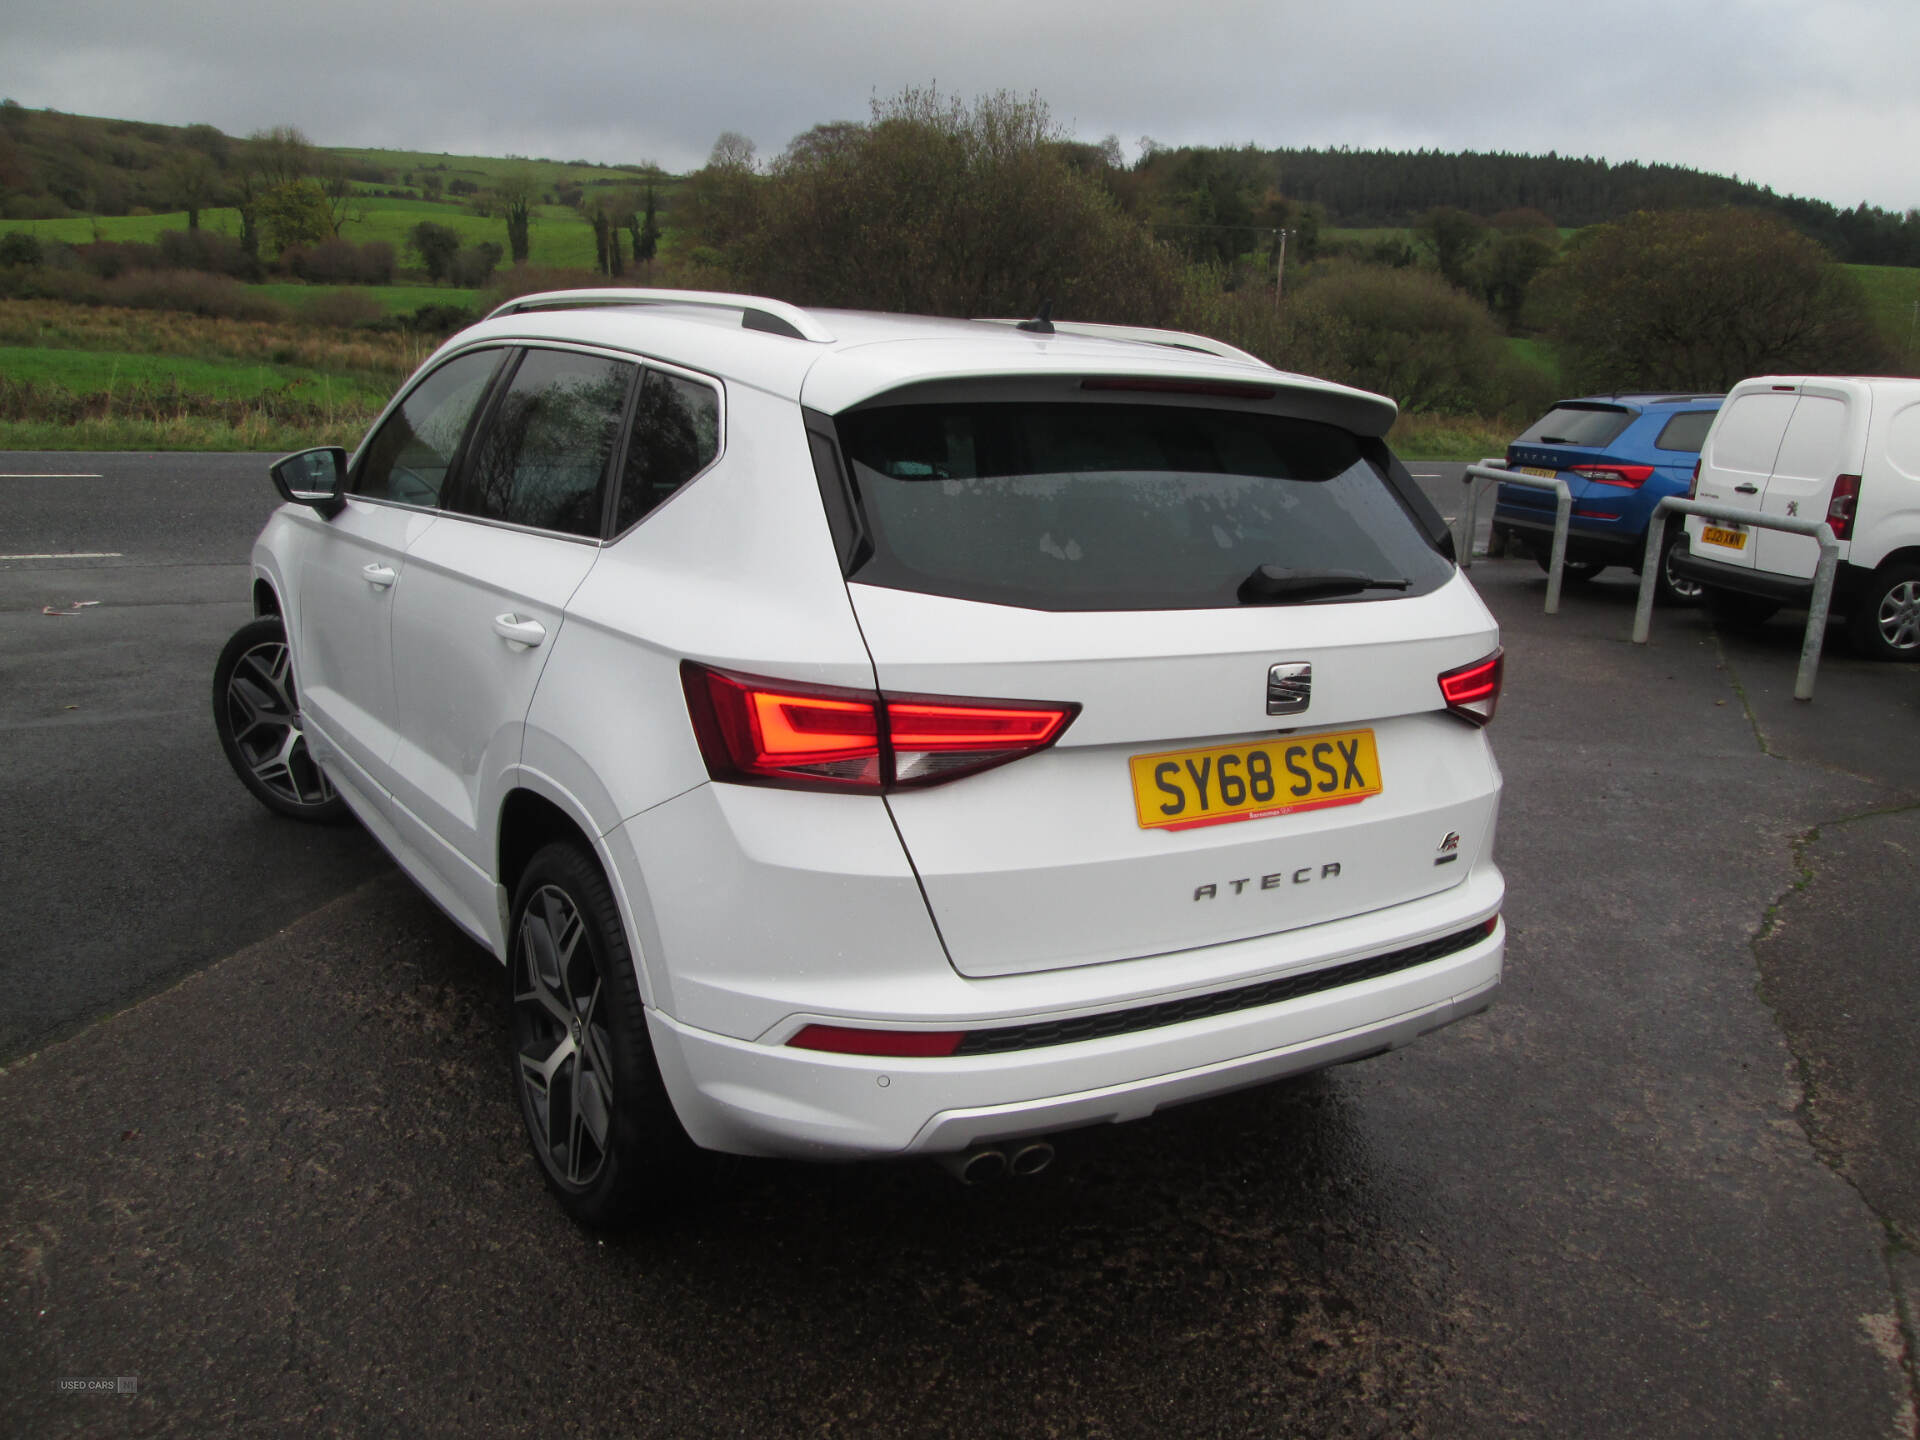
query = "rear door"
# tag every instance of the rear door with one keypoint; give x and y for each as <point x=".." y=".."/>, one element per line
<point x="1735" y="468"/>
<point x="1818" y="446"/>
<point x="1095" y="555"/>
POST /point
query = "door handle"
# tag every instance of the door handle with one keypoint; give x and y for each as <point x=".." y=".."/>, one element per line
<point x="1746" y="489"/>
<point x="380" y="576"/>
<point x="518" y="630"/>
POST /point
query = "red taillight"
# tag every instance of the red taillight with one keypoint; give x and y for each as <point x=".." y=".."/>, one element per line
<point x="842" y="1040"/>
<point x="1627" y="477"/>
<point x="1846" y="494"/>
<point x="818" y="737"/>
<point x="1473" y="691"/>
<point x="1693" y="485"/>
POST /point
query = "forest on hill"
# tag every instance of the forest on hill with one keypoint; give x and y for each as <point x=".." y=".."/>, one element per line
<point x="1206" y="200"/>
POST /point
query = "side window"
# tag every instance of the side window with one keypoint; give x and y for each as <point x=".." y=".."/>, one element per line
<point x="1685" y="431"/>
<point x="541" y="459"/>
<point x="408" y="457"/>
<point x="676" y="434"/>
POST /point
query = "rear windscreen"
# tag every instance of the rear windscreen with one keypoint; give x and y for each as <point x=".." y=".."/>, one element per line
<point x="1063" y="506"/>
<point x="1577" y="425"/>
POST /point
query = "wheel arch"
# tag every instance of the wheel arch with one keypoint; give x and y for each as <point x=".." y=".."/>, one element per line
<point x="534" y="814"/>
<point x="266" y="600"/>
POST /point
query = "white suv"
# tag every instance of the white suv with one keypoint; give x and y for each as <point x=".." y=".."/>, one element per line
<point x="864" y="735"/>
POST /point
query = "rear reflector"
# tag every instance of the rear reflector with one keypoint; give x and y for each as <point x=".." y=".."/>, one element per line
<point x="841" y="1040"/>
<point x="1473" y="691"/>
<point x="815" y="737"/>
<point x="1846" y="495"/>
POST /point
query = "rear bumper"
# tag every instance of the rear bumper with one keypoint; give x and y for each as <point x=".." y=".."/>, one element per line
<point x="1586" y="539"/>
<point x="757" y="1098"/>
<point x="1744" y="580"/>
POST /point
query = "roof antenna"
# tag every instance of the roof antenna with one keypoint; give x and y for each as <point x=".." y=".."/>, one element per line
<point x="1041" y="324"/>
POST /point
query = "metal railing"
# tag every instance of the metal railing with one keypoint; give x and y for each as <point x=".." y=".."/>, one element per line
<point x="1562" y="512"/>
<point x="1823" y="573"/>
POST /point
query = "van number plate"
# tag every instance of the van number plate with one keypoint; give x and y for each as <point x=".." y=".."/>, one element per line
<point x="1184" y="789"/>
<point x="1732" y="539"/>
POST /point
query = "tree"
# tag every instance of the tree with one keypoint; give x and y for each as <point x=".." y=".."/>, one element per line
<point x="646" y="239"/>
<point x="944" y="208"/>
<point x="1698" y="299"/>
<point x="194" y="180"/>
<point x="295" y="213"/>
<point x="516" y="194"/>
<point x="1451" y="236"/>
<point x="436" y="245"/>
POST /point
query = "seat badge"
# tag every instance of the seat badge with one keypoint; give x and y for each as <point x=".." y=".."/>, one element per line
<point x="1289" y="687"/>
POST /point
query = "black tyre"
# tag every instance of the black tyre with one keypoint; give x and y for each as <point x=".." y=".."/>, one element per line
<point x="1884" y="622"/>
<point x="1670" y="588"/>
<point x="1572" y="572"/>
<point x="257" y="713"/>
<point x="1745" y="612"/>
<point x="597" y="1116"/>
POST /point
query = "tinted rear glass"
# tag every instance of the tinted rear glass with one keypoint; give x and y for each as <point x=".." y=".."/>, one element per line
<point x="1577" y="425"/>
<point x="1118" y="507"/>
<point x="1686" y="431"/>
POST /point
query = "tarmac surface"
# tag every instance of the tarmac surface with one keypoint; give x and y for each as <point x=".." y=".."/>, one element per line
<point x="1668" y="1185"/>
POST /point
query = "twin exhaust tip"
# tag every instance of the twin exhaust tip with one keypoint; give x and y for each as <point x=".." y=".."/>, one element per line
<point x="982" y="1167"/>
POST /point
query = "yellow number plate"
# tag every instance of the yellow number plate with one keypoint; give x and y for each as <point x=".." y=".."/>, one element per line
<point x="1536" y="470"/>
<point x="1183" y="789"/>
<point x="1732" y="539"/>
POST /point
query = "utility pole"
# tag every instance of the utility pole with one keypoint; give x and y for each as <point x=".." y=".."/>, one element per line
<point x="1280" y="270"/>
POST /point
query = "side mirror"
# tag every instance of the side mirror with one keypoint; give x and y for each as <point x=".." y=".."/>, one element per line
<point x="316" y="477"/>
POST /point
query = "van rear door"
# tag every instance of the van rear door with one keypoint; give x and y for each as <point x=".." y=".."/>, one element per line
<point x="1736" y="466"/>
<point x="1824" y="439"/>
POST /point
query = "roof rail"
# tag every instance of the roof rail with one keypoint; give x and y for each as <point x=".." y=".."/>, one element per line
<point x="775" y="317"/>
<point x="1174" y="339"/>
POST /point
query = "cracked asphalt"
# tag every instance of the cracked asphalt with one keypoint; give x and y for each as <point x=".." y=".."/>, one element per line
<point x="1668" y="1186"/>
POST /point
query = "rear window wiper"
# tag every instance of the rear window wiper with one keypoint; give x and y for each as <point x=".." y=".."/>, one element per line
<point x="1271" y="583"/>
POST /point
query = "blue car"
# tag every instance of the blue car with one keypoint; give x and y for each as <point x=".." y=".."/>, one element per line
<point x="1619" y="454"/>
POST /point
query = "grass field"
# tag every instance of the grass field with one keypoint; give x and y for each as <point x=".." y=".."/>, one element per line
<point x="557" y="237"/>
<point x="109" y="372"/>
<point x="1894" y="293"/>
<point x="398" y="299"/>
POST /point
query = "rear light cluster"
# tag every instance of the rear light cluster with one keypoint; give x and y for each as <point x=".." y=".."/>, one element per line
<point x="817" y="737"/>
<point x="1473" y="691"/>
<point x="1627" y="477"/>
<point x="1846" y="495"/>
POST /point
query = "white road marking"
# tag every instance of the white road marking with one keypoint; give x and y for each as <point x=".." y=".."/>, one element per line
<point x="72" y="555"/>
<point x="1428" y="475"/>
<point x="52" y="476"/>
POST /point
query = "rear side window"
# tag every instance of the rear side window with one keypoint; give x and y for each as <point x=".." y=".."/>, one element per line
<point x="1093" y="506"/>
<point x="676" y="435"/>
<point x="542" y="459"/>
<point x="1685" y="431"/>
<point x="409" y="455"/>
<point x="1577" y="425"/>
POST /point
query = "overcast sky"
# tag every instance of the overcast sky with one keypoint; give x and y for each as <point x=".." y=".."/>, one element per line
<point x="1815" y="99"/>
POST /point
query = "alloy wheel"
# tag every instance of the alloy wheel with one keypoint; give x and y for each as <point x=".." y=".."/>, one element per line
<point x="1899" y="616"/>
<point x="264" y="714"/>
<point x="562" y="1046"/>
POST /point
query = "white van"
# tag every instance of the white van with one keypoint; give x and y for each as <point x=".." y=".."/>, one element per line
<point x="1845" y="449"/>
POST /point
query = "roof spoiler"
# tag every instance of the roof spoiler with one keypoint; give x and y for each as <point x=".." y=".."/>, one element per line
<point x="773" y="317"/>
